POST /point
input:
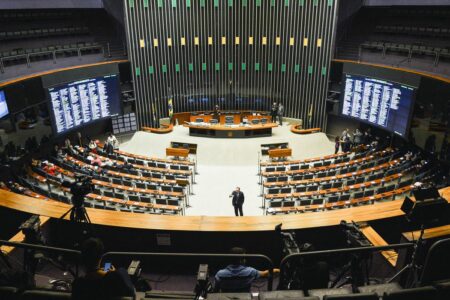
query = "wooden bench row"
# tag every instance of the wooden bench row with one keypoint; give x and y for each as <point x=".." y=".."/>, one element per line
<point x="333" y="190"/>
<point x="335" y="177"/>
<point x="175" y="209"/>
<point x="358" y="161"/>
<point x="339" y="204"/>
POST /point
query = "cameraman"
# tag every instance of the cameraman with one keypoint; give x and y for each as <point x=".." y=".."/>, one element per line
<point x="98" y="283"/>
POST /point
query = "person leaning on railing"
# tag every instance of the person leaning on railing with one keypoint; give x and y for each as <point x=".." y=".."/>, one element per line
<point x="236" y="277"/>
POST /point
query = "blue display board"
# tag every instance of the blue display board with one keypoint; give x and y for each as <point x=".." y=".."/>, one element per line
<point x="81" y="102"/>
<point x="378" y="102"/>
<point x="3" y="105"/>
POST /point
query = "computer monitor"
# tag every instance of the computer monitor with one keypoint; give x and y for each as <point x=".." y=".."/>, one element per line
<point x="3" y="105"/>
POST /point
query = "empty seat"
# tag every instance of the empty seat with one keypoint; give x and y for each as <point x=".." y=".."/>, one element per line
<point x="152" y="187"/>
<point x="44" y="295"/>
<point x="359" y="180"/>
<point x="120" y="196"/>
<point x="333" y="199"/>
<point x="421" y="293"/>
<point x="141" y="185"/>
<point x="288" y="203"/>
<point x="358" y="195"/>
<point x="297" y="177"/>
<point x="108" y="194"/>
<point x="127" y="183"/>
<point x="337" y="184"/>
<point x="177" y="189"/>
<point x="317" y="202"/>
<point x="117" y="181"/>
<point x="271" y="179"/>
<point x="326" y="186"/>
<point x="344" y="197"/>
<point x="368" y="193"/>
<point x="140" y="162"/>
<point x="273" y="191"/>
<point x="7" y="292"/>
<point x="282" y="178"/>
<point x="312" y="188"/>
<point x="300" y="189"/>
<point x="166" y="188"/>
<point x="381" y="190"/>
<point x="275" y="203"/>
<point x="285" y="190"/>
<point x="305" y="202"/>
<point x="368" y="296"/>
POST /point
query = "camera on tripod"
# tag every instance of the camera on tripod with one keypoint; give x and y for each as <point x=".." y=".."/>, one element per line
<point x="79" y="189"/>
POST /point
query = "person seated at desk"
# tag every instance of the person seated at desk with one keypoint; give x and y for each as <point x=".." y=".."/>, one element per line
<point x="97" y="282"/>
<point x="236" y="277"/>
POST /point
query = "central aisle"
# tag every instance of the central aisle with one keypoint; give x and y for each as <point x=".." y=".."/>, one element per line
<point x="224" y="164"/>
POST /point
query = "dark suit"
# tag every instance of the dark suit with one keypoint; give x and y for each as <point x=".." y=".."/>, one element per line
<point x="274" y="113"/>
<point x="238" y="200"/>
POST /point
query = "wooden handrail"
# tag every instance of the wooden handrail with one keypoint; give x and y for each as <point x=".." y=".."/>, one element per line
<point x="15" y="80"/>
<point x="297" y="130"/>
<point x="162" y="130"/>
<point x="211" y="224"/>
<point x="436" y="77"/>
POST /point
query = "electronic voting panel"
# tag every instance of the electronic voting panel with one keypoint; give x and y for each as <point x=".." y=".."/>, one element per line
<point x="84" y="101"/>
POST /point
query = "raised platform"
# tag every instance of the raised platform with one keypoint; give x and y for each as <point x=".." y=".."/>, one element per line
<point x="231" y="131"/>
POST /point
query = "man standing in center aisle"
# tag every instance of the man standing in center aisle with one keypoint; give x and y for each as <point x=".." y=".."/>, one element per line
<point x="238" y="201"/>
<point x="274" y="112"/>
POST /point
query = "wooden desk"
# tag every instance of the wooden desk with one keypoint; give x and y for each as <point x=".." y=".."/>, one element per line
<point x="223" y="131"/>
<point x="153" y="159"/>
<point x="164" y="129"/>
<point x="430" y="233"/>
<point x="211" y="224"/>
<point x="376" y="240"/>
<point x="238" y="116"/>
<point x="177" y="152"/>
<point x="297" y="129"/>
<point x="192" y="147"/>
<point x="280" y="153"/>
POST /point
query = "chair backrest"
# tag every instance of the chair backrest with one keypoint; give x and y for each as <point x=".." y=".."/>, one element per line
<point x="437" y="266"/>
<point x="421" y="293"/>
<point x="285" y="190"/>
<point x="274" y="191"/>
<point x="8" y="292"/>
<point x="44" y="295"/>
<point x="275" y="204"/>
<point x="288" y="203"/>
<point x="365" y="296"/>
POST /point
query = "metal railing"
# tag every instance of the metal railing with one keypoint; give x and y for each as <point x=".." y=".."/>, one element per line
<point x="266" y="260"/>
<point x="53" y="53"/>
<point x="290" y="257"/>
<point x="408" y="50"/>
<point x="261" y="257"/>
<point x="37" y="247"/>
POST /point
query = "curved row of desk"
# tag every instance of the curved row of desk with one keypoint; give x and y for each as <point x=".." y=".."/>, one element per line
<point x="209" y="224"/>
